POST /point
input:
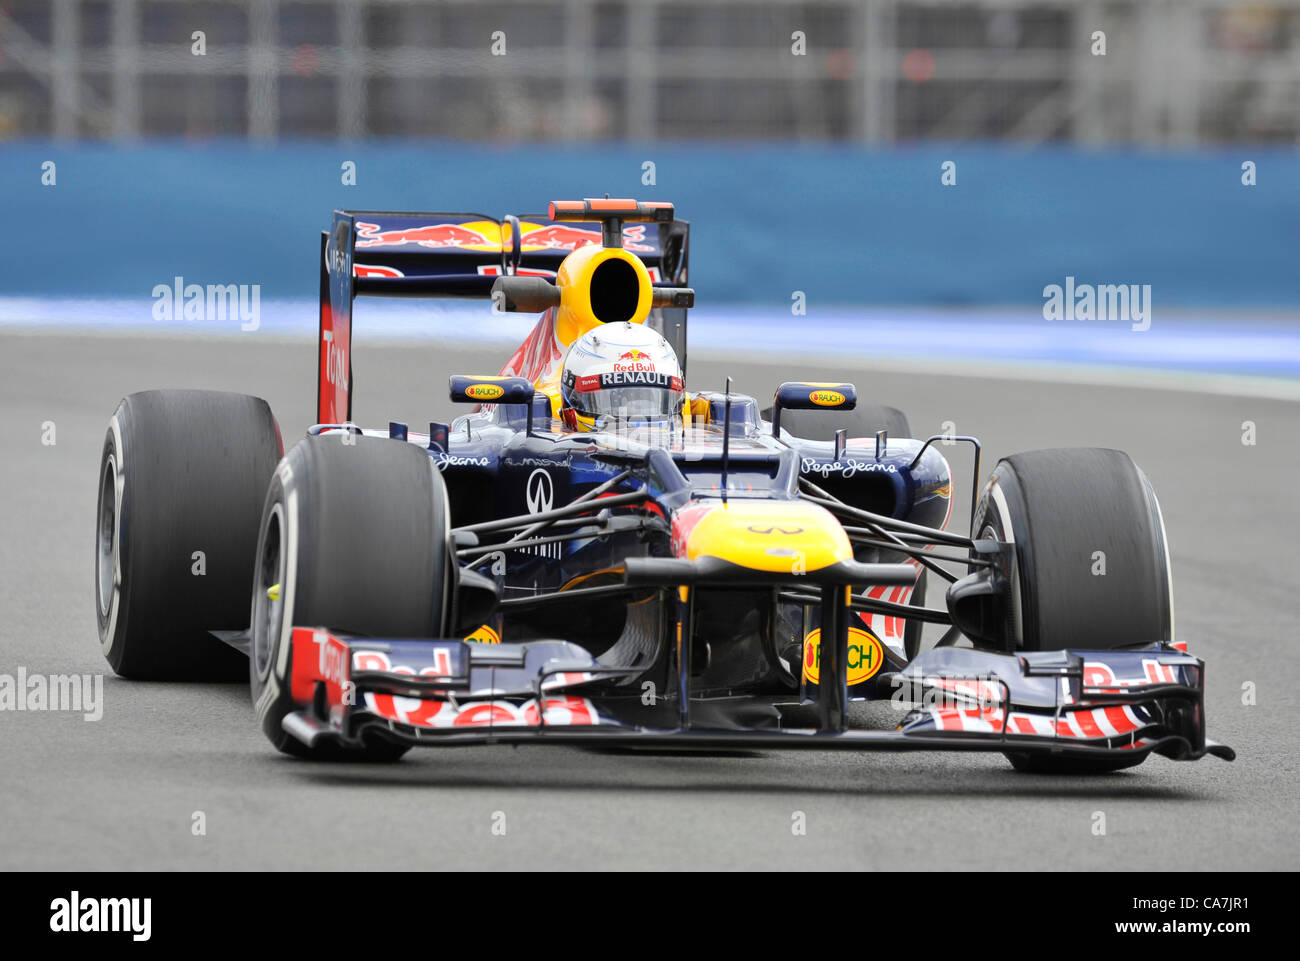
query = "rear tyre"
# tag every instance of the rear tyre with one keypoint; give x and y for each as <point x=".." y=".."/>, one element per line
<point x="1091" y="568"/>
<point x="863" y="421"/>
<point x="356" y="532"/>
<point x="181" y="481"/>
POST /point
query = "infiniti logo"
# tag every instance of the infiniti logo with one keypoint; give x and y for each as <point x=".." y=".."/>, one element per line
<point x="538" y="491"/>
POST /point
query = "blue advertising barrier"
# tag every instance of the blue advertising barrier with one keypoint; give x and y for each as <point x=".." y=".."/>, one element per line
<point x="845" y="226"/>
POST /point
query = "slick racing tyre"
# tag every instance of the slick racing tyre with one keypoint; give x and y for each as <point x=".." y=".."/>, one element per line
<point x="355" y="537"/>
<point x="863" y="421"/>
<point x="1091" y="565"/>
<point x="182" y="478"/>
<point x="1091" y="568"/>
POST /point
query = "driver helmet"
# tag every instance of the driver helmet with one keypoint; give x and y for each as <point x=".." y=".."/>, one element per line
<point x="623" y="372"/>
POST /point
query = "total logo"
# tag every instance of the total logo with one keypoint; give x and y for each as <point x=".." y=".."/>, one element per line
<point x="865" y="656"/>
<point x="336" y="361"/>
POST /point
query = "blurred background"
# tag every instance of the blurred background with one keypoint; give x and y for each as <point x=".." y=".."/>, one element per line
<point x="1121" y="142"/>
<point x="1177" y="72"/>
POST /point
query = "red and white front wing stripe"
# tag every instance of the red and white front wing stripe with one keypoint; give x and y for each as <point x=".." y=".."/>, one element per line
<point x="320" y="656"/>
<point x="1084" y="724"/>
<point x="561" y="711"/>
<point x="1099" y="677"/>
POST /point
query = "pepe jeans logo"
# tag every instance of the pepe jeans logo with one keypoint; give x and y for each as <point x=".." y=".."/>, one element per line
<point x="443" y="460"/>
<point x="845" y="468"/>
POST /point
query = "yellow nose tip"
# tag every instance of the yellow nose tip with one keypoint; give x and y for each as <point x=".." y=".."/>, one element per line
<point x="273" y="592"/>
<point x="777" y="536"/>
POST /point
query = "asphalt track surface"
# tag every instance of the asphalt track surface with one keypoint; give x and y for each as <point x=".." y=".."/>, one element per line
<point x="121" y="793"/>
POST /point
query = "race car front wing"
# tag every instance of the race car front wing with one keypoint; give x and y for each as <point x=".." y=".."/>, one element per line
<point x="1103" y="704"/>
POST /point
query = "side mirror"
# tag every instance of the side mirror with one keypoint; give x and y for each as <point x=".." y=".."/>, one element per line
<point x="484" y="389"/>
<point x="530" y="295"/>
<point x="672" y="297"/>
<point x="811" y="395"/>
<point x="490" y="389"/>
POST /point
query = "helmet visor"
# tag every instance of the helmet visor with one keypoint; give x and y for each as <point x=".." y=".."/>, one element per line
<point x="628" y="395"/>
<point x="631" y="403"/>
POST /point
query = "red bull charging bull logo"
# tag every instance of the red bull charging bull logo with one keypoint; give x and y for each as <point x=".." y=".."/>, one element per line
<point x="489" y="236"/>
<point x="634" y="360"/>
<point x="434" y="235"/>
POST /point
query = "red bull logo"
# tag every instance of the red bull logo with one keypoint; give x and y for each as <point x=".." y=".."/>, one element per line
<point x="558" y="237"/>
<point x="489" y="235"/>
<point x="634" y="360"/>
<point x="433" y="235"/>
<point x="564" y="237"/>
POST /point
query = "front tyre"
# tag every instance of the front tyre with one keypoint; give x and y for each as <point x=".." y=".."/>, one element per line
<point x="1091" y="564"/>
<point x="355" y="538"/>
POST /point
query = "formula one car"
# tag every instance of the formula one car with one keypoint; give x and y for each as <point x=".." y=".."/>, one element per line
<point x="721" y="577"/>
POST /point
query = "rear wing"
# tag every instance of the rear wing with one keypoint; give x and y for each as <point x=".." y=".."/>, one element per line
<point x="388" y="254"/>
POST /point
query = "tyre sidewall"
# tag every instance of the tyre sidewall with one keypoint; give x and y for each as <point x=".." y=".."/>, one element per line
<point x="997" y="519"/>
<point x="1122" y="603"/>
<point x="111" y="617"/>
<point x="270" y="657"/>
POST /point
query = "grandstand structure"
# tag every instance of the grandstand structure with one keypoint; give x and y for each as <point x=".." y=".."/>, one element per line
<point x="1173" y="72"/>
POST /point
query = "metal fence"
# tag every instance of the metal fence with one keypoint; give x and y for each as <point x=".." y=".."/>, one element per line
<point x="870" y="71"/>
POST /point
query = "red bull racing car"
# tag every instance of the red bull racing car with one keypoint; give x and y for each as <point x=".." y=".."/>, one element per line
<point x="545" y="569"/>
